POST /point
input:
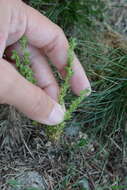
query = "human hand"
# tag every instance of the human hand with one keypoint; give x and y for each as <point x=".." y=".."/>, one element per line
<point x="46" y="40"/>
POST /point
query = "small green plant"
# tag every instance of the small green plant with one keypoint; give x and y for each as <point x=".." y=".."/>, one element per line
<point x="23" y="66"/>
<point x="16" y="184"/>
<point x="56" y="131"/>
<point x="13" y="183"/>
<point x="69" y="71"/>
<point x="23" y="62"/>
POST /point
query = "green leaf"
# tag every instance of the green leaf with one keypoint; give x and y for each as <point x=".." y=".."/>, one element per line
<point x="33" y="188"/>
<point x="84" y="184"/>
<point x="117" y="187"/>
<point x="13" y="182"/>
<point x="82" y="142"/>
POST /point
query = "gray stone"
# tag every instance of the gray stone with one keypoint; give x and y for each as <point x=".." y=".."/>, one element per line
<point x="72" y="131"/>
<point x="31" y="181"/>
<point x="84" y="184"/>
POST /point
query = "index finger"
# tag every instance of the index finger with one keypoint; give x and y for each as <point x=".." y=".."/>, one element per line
<point x="50" y="38"/>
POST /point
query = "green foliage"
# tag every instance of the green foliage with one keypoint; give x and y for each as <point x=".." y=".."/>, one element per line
<point x="68" y="13"/>
<point x="23" y="62"/>
<point x="56" y="131"/>
<point x="32" y="188"/>
<point x="84" y="184"/>
<point x="105" y="110"/>
<point x="118" y="187"/>
<point x="15" y="184"/>
<point x="82" y="142"/>
<point x="69" y="72"/>
<point x="23" y="65"/>
<point x="75" y="103"/>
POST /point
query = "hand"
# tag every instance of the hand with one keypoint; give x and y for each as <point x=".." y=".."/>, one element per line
<point x="46" y="40"/>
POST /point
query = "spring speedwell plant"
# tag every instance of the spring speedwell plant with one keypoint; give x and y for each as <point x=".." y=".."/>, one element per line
<point x="56" y="131"/>
<point x="23" y="66"/>
<point x="23" y="62"/>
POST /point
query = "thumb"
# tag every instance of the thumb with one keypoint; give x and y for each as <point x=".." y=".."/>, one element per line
<point x="26" y="97"/>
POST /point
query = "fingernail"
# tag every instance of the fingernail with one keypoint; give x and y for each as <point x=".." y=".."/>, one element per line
<point x="56" y="116"/>
<point x="63" y="107"/>
<point x="89" y="91"/>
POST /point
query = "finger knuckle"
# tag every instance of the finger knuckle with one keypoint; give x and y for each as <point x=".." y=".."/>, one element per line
<point x="41" y="105"/>
<point x="7" y="81"/>
<point x="49" y="48"/>
<point x="59" y="38"/>
<point x="2" y="37"/>
<point x="36" y="106"/>
<point x="61" y="31"/>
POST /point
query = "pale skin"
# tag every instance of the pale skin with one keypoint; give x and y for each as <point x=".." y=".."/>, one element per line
<point x="46" y="40"/>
